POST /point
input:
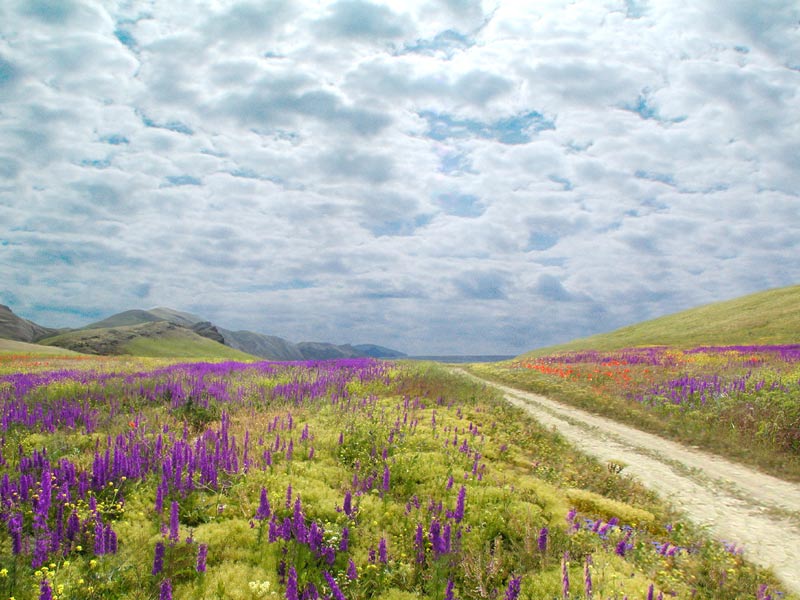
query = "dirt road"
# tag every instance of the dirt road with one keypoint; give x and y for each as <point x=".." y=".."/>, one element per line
<point x="737" y="504"/>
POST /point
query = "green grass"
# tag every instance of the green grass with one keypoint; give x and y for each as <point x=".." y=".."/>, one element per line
<point x="181" y="346"/>
<point x="412" y="419"/>
<point x="770" y="317"/>
<point x="157" y="339"/>
<point x="18" y="348"/>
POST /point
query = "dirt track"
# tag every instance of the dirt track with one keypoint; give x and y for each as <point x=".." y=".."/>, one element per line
<point x="736" y="503"/>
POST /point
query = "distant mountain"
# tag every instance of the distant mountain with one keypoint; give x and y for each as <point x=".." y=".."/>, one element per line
<point x="16" y="328"/>
<point x="158" y="338"/>
<point x="124" y="332"/>
<point x="265" y="346"/>
<point x="324" y="351"/>
<point x="769" y="317"/>
<point x="124" y="319"/>
<point x="377" y="351"/>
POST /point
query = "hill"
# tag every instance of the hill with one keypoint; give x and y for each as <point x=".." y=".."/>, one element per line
<point x="16" y="328"/>
<point x="15" y="347"/>
<point x="769" y="317"/>
<point x="159" y="338"/>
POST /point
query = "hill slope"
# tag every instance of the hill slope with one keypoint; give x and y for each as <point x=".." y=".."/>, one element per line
<point x="148" y="339"/>
<point x="16" y="347"/>
<point x="770" y="317"/>
<point x="16" y="328"/>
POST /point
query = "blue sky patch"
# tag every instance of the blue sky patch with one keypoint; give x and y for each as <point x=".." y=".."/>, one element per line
<point x="183" y="180"/>
<point x="176" y="126"/>
<point x="517" y="129"/>
<point x="460" y="205"/>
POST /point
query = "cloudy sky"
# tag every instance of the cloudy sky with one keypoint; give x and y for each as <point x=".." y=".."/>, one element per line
<point x="441" y="176"/>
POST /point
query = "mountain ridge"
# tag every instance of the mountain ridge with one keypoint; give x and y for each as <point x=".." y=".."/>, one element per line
<point x="117" y="334"/>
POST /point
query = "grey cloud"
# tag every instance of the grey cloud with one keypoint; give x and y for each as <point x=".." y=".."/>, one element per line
<point x="9" y="168"/>
<point x="479" y="86"/>
<point x="482" y="285"/>
<point x="49" y="11"/>
<point x="353" y="164"/>
<point x="9" y="74"/>
<point x="460" y="205"/>
<point x="550" y="288"/>
<point x="248" y="20"/>
<point x="398" y="79"/>
<point x="363" y="20"/>
<point x="278" y="103"/>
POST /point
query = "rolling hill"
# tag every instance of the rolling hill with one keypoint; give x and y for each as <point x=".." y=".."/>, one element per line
<point x="16" y="328"/>
<point x="769" y="317"/>
<point x="16" y="347"/>
<point x="159" y="338"/>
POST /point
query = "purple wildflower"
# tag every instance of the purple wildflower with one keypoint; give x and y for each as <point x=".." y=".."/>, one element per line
<point x="174" y="521"/>
<point x="264" y="511"/>
<point x="335" y="591"/>
<point x="448" y="592"/>
<point x="382" y="553"/>
<point x="165" y="592"/>
<point x="352" y="572"/>
<point x="291" y="585"/>
<point x="202" y="554"/>
<point x="587" y="577"/>
<point x="513" y="589"/>
<point x="650" y="592"/>
<point x="386" y="478"/>
<point x="565" y="576"/>
<point x="348" y="503"/>
<point x="542" y="543"/>
<point x="458" y="514"/>
<point x="45" y="591"/>
<point x="158" y="559"/>
<point x="345" y="541"/>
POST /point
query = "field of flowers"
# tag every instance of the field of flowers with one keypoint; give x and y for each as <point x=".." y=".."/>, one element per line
<point x="126" y="478"/>
<point x="743" y="401"/>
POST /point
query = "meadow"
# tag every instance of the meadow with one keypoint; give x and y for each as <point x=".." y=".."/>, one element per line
<point x="739" y="401"/>
<point x="150" y="478"/>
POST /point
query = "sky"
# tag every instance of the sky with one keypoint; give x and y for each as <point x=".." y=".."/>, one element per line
<point x="439" y="177"/>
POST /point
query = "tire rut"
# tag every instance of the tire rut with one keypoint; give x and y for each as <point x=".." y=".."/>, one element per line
<point x="737" y="504"/>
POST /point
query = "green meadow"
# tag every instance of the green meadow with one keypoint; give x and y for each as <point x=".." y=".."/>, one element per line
<point x="150" y="478"/>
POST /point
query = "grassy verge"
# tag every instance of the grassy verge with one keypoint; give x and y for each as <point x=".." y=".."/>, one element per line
<point x="757" y="425"/>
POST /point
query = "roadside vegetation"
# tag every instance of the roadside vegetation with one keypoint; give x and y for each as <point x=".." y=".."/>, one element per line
<point x="147" y="478"/>
<point x="742" y="402"/>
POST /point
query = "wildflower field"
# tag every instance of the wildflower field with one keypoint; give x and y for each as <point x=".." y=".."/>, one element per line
<point x="129" y="478"/>
<point x="740" y="401"/>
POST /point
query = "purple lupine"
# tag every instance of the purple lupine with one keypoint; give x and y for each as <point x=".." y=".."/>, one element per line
<point x="347" y="506"/>
<point x="513" y="589"/>
<point x="386" y="478"/>
<point x="650" y="591"/>
<point x="158" y="559"/>
<point x="419" y="544"/>
<point x="565" y="576"/>
<point x="382" y="553"/>
<point x="264" y="511"/>
<point x="174" y="522"/>
<point x="345" y="541"/>
<point x="448" y="592"/>
<point x="542" y="542"/>
<point x="291" y="585"/>
<point x="15" y="529"/>
<point x="45" y="591"/>
<point x="352" y="572"/>
<point x="165" y="592"/>
<point x="587" y="577"/>
<point x="202" y="554"/>
<point x="336" y="592"/>
<point x="458" y="514"/>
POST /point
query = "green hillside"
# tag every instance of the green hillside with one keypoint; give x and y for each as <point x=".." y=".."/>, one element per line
<point x="159" y="339"/>
<point x="16" y="347"/>
<point x="770" y="317"/>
